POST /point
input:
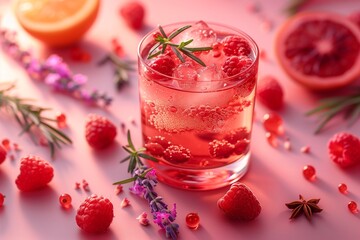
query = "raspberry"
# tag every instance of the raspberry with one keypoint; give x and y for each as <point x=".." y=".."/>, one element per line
<point x="155" y="149"/>
<point x="177" y="154"/>
<point x="95" y="214"/>
<point x="133" y="14"/>
<point x="35" y="173"/>
<point x="270" y="93"/>
<point x="160" y="66"/>
<point x="2" y="199"/>
<point x="235" y="46"/>
<point x="344" y="149"/>
<point x="220" y="149"/>
<point x="241" y="146"/>
<point x="3" y="154"/>
<point x="99" y="131"/>
<point x="240" y="203"/>
<point x="160" y="140"/>
<point x="236" y="135"/>
<point x="236" y="64"/>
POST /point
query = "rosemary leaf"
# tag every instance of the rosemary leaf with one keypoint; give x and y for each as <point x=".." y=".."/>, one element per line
<point x="177" y="32"/>
<point x="29" y="116"/>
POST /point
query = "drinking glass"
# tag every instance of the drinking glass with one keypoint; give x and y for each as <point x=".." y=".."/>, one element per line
<point x="198" y="121"/>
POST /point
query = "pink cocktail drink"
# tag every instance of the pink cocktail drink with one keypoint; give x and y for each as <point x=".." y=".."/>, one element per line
<point x="197" y="103"/>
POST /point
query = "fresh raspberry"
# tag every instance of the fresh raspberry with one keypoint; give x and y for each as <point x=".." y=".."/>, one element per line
<point x="133" y="14"/>
<point x="99" y="131"/>
<point x="160" y="66"/>
<point x="220" y="148"/>
<point x="236" y="64"/>
<point x="95" y="214"/>
<point x="3" y="154"/>
<point x="235" y="46"/>
<point x="236" y="135"/>
<point x="155" y="149"/>
<point x="241" y="146"/>
<point x="160" y="140"/>
<point x="344" y="149"/>
<point x="2" y="199"/>
<point x="270" y="93"/>
<point x="35" y="173"/>
<point x="177" y="154"/>
<point x="240" y="203"/>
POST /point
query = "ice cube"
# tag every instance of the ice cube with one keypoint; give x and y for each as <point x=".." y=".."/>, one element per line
<point x="210" y="78"/>
<point x="201" y="34"/>
<point x="185" y="71"/>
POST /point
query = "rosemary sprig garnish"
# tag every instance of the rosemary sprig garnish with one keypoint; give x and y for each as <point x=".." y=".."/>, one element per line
<point x="122" y="69"/>
<point x="134" y="158"/>
<point x="294" y="6"/>
<point x="30" y="117"/>
<point x="349" y="105"/>
<point x="163" y="41"/>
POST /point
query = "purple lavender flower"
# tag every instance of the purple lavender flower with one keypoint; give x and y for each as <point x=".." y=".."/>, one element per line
<point x="53" y="71"/>
<point x="144" y="185"/>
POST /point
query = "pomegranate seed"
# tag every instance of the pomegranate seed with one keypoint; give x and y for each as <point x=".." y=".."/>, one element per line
<point x="61" y="120"/>
<point x="2" y="199"/>
<point x="352" y="207"/>
<point x="125" y="202"/>
<point x="65" y="200"/>
<point x="118" y="189"/>
<point x="272" y="139"/>
<point x="305" y="149"/>
<point x="342" y="188"/>
<point x="273" y="123"/>
<point x="309" y="172"/>
<point x="79" y="55"/>
<point x="85" y="185"/>
<point x="77" y="185"/>
<point x="6" y="144"/>
<point x="192" y="220"/>
<point x="143" y="219"/>
<point x="16" y="147"/>
<point x="287" y="145"/>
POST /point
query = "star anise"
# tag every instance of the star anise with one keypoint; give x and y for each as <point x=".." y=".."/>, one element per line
<point x="302" y="206"/>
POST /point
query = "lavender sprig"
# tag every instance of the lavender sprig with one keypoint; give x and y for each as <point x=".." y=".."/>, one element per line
<point x="145" y="181"/>
<point x="53" y="71"/>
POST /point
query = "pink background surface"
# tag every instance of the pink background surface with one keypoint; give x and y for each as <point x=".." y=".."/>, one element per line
<point x="275" y="175"/>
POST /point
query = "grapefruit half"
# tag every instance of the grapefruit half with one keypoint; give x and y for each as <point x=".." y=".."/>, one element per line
<point x="320" y="50"/>
<point x="55" y="22"/>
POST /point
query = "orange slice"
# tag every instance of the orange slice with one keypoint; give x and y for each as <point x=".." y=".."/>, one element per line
<point x="319" y="50"/>
<point x="56" y="22"/>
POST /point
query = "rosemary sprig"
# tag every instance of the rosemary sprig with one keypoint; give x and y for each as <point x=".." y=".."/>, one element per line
<point x="294" y="6"/>
<point x="29" y="116"/>
<point x="349" y="105"/>
<point x="145" y="181"/>
<point x="163" y="41"/>
<point x="122" y="69"/>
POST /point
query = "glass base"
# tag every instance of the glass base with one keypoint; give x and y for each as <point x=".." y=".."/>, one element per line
<point x="201" y="179"/>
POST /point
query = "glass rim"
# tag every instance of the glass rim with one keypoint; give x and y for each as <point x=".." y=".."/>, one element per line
<point x="252" y="43"/>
